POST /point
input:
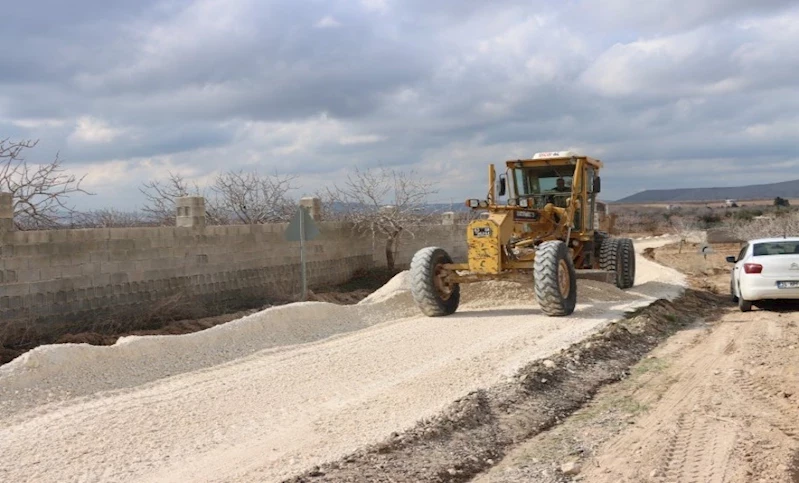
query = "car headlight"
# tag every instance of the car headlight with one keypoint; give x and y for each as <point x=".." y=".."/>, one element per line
<point x="524" y="202"/>
<point x="473" y="203"/>
<point x="512" y="202"/>
<point x="483" y="204"/>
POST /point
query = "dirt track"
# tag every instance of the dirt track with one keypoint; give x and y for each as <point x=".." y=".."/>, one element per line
<point x="717" y="402"/>
<point x="267" y="397"/>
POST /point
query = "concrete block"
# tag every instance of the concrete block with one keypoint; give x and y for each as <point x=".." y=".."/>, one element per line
<point x="89" y="269"/>
<point x="49" y="273"/>
<point x="99" y="257"/>
<point x="109" y="267"/>
<point x="15" y="289"/>
<point x="190" y="212"/>
<point x="58" y="260"/>
<point x="71" y="271"/>
<point x="55" y="236"/>
<point x="6" y="251"/>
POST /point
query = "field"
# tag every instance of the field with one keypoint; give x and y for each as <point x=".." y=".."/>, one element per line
<point x="700" y="204"/>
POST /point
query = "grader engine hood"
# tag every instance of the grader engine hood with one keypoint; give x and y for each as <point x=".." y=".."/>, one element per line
<point x="485" y="239"/>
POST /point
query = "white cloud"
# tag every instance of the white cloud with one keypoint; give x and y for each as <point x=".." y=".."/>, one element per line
<point x="36" y="124"/>
<point x="375" y="5"/>
<point x="361" y="139"/>
<point x="89" y="130"/>
<point x="327" y="22"/>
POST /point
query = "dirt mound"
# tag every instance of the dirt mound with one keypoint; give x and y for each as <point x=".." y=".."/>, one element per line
<point x="398" y="285"/>
<point x="8" y="355"/>
<point x="162" y="322"/>
<point x="77" y="368"/>
<point x="341" y="298"/>
<point x="475" y="432"/>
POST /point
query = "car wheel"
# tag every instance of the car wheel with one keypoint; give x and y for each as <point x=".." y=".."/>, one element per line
<point x="744" y="305"/>
<point x="732" y="292"/>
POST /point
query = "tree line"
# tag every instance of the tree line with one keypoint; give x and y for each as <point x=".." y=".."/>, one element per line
<point x="385" y="202"/>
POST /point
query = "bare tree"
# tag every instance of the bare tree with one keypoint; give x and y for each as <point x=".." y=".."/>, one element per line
<point x="683" y="227"/>
<point x="384" y="202"/>
<point x="251" y="198"/>
<point x="109" y="218"/>
<point x="234" y="197"/>
<point x="786" y="224"/>
<point x="161" y="195"/>
<point x="40" y="191"/>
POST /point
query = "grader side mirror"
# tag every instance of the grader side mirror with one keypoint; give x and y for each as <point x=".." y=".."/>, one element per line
<point x="597" y="184"/>
<point x="503" y="184"/>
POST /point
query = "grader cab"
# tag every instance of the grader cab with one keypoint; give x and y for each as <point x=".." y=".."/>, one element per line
<point x="544" y="231"/>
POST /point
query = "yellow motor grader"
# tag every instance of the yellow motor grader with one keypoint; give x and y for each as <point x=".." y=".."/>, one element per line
<point x="544" y="231"/>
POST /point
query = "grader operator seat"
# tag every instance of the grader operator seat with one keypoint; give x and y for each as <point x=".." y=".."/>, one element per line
<point x="546" y="184"/>
<point x="556" y="198"/>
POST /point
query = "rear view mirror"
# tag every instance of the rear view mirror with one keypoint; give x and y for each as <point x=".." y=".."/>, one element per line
<point x="503" y="184"/>
<point x="731" y="259"/>
<point x="597" y="184"/>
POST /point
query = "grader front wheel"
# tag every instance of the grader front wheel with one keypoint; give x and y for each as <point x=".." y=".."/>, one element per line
<point x="429" y="288"/>
<point x="555" y="279"/>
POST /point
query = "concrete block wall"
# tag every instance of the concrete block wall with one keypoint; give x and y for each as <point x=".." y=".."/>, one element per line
<point x="451" y="237"/>
<point x="80" y="274"/>
<point x="73" y="277"/>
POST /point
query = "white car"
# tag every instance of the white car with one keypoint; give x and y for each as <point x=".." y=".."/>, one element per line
<point x="765" y="269"/>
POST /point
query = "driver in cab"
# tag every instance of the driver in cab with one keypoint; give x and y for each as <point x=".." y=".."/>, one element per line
<point x="560" y="187"/>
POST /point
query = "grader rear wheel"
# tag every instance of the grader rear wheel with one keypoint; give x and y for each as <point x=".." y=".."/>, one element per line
<point x="429" y="288"/>
<point x="618" y="255"/>
<point x="555" y="279"/>
<point x="626" y="263"/>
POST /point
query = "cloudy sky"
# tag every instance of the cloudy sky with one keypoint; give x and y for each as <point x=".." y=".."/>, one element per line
<point x="668" y="93"/>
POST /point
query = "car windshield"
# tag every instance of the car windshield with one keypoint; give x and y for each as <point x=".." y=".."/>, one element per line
<point x="776" y="248"/>
<point x="542" y="180"/>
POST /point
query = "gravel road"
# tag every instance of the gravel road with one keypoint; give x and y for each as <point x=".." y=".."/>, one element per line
<point x="277" y="392"/>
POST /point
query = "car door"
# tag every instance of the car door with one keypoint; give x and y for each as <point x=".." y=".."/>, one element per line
<point x="738" y="268"/>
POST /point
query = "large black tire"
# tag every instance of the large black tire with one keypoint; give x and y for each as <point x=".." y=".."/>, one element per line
<point x="555" y="279"/>
<point x="433" y="298"/>
<point x="626" y="263"/>
<point x="609" y="257"/>
<point x="618" y="255"/>
<point x="599" y="239"/>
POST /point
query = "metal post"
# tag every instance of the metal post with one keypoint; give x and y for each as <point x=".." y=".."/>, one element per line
<point x="302" y="255"/>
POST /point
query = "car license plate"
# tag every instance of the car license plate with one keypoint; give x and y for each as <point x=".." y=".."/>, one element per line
<point x="788" y="284"/>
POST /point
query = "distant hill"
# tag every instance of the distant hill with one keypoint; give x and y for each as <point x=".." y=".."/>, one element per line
<point x="786" y="189"/>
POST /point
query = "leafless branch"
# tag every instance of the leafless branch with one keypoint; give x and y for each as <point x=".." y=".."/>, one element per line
<point x="40" y="191"/>
<point x="251" y="198"/>
<point x="109" y="218"/>
<point x="161" y="195"/>
<point x="234" y="197"/>
<point x="772" y="225"/>
<point x="382" y="201"/>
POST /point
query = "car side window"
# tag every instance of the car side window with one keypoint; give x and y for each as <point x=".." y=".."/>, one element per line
<point x="743" y="252"/>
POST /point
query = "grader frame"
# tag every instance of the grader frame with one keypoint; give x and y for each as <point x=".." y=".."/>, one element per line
<point x="550" y="233"/>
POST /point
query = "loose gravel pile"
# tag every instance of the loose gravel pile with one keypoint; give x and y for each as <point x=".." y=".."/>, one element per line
<point x="274" y="393"/>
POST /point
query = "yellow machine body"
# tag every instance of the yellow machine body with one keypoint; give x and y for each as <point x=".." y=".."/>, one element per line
<point x="505" y="235"/>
